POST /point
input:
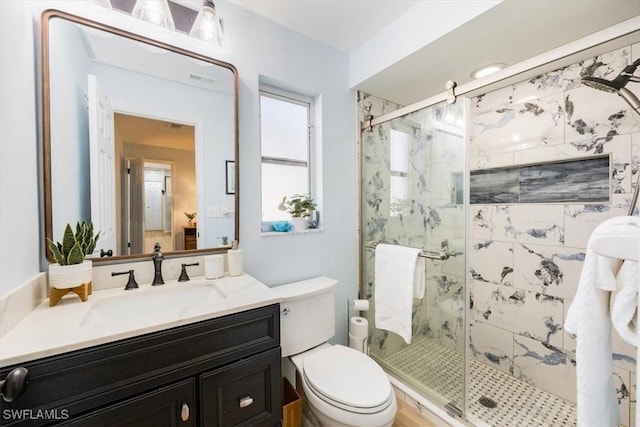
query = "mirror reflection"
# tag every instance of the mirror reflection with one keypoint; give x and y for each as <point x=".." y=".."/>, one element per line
<point x="138" y="142"/>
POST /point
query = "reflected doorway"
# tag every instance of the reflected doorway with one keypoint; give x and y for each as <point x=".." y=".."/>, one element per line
<point x="158" y="207"/>
<point x="156" y="182"/>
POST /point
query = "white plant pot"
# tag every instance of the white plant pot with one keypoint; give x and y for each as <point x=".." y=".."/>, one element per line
<point x="70" y="276"/>
<point x="299" y="223"/>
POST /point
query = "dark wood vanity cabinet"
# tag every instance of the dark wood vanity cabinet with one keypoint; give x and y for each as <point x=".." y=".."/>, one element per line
<point x="190" y="237"/>
<point x="219" y="372"/>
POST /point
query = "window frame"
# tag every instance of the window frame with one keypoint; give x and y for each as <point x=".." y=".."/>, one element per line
<point x="297" y="99"/>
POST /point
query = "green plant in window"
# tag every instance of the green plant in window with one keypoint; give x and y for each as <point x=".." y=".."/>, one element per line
<point x="298" y="205"/>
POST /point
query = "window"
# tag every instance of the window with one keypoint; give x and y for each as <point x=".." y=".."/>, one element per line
<point x="399" y="171"/>
<point x="285" y="132"/>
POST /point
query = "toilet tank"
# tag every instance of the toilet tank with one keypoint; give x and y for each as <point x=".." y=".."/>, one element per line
<point x="307" y="314"/>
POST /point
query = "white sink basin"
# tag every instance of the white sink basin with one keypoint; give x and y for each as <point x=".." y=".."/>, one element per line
<point x="138" y="307"/>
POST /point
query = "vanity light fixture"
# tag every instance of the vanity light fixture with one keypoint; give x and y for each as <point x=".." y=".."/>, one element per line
<point x="154" y="11"/>
<point x="487" y="69"/>
<point x="208" y="26"/>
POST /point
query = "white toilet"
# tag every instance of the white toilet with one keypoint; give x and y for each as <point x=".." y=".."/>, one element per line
<point x="343" y="386"/>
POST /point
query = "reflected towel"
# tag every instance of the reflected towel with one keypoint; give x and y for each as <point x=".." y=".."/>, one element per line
<point x="399" y="277"/>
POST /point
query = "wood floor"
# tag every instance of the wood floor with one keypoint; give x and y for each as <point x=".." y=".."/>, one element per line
<point x="407" y="417"/>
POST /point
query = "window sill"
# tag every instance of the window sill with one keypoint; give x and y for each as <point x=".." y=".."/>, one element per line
<point x="290" y="233"/>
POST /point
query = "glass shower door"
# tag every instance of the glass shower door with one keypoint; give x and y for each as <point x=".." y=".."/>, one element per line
<point x="413" y="195"/>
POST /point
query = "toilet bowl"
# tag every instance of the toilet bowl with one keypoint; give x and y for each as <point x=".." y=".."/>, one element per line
<point x="343" y="387"/>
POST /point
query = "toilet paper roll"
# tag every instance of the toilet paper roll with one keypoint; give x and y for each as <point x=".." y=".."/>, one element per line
<point x="358" y="327"/>
<point x="358" y="332"/>
<point x="213" y="266"/>
<point x="361" y="305"/>
<point x="358" y="344"/>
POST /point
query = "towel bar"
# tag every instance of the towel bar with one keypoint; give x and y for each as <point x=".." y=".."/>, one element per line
<point x="425" y="253"/>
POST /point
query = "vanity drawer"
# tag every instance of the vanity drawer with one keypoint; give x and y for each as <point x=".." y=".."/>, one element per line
<point x="173" y="405"/>
<point x="87" y="379"/>
<point x="244" y="393"/>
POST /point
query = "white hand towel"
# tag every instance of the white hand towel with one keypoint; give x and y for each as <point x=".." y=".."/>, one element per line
<point x="625" y="305"/>
<point x="399" y="277"/>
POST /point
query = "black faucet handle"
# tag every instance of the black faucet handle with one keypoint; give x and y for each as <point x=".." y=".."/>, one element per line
<point x="184" y="277"/>
<point x="157" y="252"/>
<point x="131" y="283"/>
<point x="104" y="253"/>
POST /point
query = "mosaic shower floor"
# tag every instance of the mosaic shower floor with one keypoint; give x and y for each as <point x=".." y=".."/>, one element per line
<point x="517" y="404"/>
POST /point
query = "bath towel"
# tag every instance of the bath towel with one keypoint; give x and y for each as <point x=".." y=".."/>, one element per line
<point x="589" y="318"/>
<point x="623" y="242"/>
<point x="625" y="304"/>
<point x="399" y="277"/>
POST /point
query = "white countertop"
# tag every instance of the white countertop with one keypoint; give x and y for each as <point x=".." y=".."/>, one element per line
<point x="116" y="314"/>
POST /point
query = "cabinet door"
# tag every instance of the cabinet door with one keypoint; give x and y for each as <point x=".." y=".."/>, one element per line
<point x="171" y="406"/>
<point x="244" y="393"/>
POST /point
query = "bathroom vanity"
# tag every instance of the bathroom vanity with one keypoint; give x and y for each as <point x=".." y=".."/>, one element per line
<point x="213" y="364"/>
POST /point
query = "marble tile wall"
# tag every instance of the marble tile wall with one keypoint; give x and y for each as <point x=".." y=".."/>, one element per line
<point x="525" y="257"/>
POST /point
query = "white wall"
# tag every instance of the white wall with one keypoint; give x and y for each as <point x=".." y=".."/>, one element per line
<point x="256" y="47"/>
<point x="20" y="233"/>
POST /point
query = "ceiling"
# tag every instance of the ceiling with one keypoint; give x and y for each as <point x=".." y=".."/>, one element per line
<point x="342" y="24"/>
<point x="510" y="32"/>
<point x="146" y="131"/>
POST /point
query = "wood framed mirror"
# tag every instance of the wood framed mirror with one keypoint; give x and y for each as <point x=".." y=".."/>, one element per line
<point x="136" y="138"/>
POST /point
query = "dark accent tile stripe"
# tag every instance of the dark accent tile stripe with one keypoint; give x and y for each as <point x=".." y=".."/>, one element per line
<point x="584" y="180"/>
<point x="580" y="181"/>
<point x="494" y="186"/>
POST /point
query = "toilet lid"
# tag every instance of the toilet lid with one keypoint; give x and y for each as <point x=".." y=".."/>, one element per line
<point x="348" y="377"/>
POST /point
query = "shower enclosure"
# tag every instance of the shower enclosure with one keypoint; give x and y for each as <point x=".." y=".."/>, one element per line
<point x="497" y="182"/>
<point x="412" y="175"/>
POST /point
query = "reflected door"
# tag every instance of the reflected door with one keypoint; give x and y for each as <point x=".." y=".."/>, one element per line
<point x="102" y="164"/>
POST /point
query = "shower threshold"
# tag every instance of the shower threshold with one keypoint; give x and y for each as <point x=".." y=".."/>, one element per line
<point x="495" y="398"/>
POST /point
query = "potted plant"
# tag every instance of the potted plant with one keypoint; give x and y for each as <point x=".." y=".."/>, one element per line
<point x="190" y="216"/>
<point x="300" y="207"/>
<point x="71" y="269"/>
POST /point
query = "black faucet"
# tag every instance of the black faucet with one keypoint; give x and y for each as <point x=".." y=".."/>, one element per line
<point x="157" y="265"/>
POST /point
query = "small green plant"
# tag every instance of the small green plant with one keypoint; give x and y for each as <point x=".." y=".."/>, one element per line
<point x="74" y="246"/>
<point x="298" y="205"/>
<point x="190" y="216"/>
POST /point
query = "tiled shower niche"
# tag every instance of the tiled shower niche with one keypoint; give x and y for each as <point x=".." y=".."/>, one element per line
<point x="570" y="181"/>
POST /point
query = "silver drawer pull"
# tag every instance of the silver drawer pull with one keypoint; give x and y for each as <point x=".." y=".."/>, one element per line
<point x="184" y="413"/>
<point x="246" y="401"/>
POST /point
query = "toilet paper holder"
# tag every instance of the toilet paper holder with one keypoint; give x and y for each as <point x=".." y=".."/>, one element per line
<point x="359" y="304"/>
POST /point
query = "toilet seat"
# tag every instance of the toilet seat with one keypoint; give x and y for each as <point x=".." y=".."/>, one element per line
<point x="347" y="379"/>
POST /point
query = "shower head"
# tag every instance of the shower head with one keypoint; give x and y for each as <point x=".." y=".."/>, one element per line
<point x="601" y="84"/>
<point x="618" y="84"/>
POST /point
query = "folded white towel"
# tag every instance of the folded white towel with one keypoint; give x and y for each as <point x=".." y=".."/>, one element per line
<point x="589" y="319"/>
<point x="399" y="277"/>
<point x="625" y="305"/>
